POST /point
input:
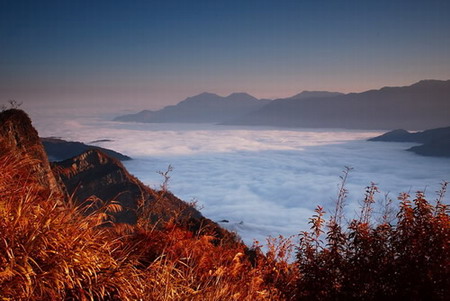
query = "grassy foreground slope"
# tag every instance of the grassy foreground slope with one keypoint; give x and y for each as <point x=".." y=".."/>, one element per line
<point x="52" y="248"/>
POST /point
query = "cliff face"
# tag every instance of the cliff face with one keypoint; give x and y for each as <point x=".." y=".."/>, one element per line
<point x="94" y="173"/>
<point x="18" y="138"/>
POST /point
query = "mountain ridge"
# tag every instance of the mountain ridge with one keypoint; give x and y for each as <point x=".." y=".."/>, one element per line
<point x="421" y="105"/>
<point x="314" y="94"/>
<point x="202" y="108"/>
<point x="59" y="149"/>
<point x="425" y="104"/>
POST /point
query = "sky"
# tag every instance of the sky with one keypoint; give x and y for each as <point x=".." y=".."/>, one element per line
<point x="148" y="54"/>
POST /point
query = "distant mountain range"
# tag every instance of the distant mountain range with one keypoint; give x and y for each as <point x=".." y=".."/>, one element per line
<point x="435" y="142"/>
<point x="202" y="108"/>
<point x="423" y="105"/>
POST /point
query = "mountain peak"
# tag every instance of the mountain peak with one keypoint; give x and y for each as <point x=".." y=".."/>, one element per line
<point x="17" y="121"/>
<point x="315" y="94"/>
<point x="96" y="157"/>
<point x="202" y="108"/>
<point x="202" y="97"/>
<point x="205" y="94"/>
<point x="240" y="96"/>
<point x="429" y="83"/>
<point x="395" y="135"/>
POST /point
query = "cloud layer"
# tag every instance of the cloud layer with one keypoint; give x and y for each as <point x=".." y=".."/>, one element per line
<point x="264" y="181"/>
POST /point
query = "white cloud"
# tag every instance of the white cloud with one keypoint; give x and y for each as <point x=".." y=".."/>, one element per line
<point x="269" y="179"/>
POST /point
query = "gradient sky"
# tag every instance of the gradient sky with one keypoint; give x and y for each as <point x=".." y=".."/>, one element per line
<point x="147" y="54"/>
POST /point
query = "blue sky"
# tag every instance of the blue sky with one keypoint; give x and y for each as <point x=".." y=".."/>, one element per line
<point x="152" y="53"/>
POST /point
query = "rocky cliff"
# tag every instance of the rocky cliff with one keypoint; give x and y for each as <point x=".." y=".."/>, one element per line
<point x="20" y="140"/>
<point x="94" y="173"/>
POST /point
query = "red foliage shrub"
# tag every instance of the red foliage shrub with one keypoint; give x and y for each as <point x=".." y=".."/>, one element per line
<point x="407" y="260"/>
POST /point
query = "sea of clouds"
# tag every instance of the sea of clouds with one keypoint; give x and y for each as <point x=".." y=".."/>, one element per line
<point x="263" y="181"/>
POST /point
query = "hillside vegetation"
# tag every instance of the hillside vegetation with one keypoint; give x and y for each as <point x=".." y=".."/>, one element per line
<point x="51" y="250"/>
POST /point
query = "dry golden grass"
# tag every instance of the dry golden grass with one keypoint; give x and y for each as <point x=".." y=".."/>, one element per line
<point x="52" y="250"/>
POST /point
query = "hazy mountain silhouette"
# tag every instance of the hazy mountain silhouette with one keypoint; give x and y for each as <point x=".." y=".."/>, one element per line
<point x="58" y="149"/>
<point x="436" y="142"/>
<point x="418" y="137"/>
<point x="202" y="108"/>
<point x="434" y="148"/>
<point x="399" y="135"/>
<point x="425" y="104"/>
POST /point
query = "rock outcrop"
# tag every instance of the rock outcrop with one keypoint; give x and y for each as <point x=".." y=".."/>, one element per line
<point x="18" y="138"/>
<point x="94" y="173"/>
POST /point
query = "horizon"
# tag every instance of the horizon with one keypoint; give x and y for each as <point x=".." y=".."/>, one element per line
<point x="43" y="110"/>
<point x="150" y="55"/>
